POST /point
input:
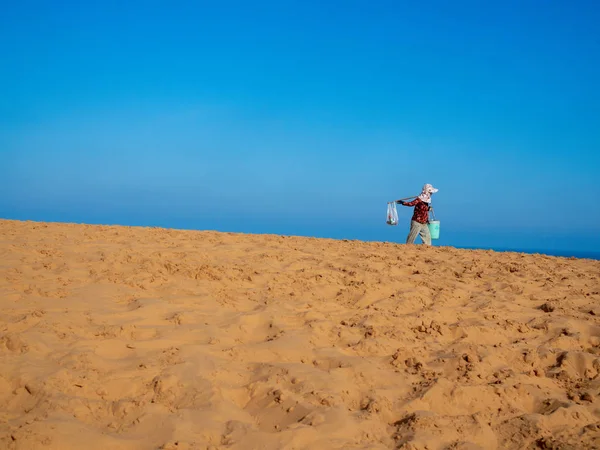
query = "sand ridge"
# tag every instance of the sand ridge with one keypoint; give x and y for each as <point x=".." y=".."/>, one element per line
<point x="143" y="338"/>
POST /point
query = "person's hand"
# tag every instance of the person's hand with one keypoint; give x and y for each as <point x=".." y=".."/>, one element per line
<point x="401" y="202"/>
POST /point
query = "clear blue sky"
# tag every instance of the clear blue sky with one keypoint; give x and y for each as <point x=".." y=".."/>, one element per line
<point x="306" y="117"/>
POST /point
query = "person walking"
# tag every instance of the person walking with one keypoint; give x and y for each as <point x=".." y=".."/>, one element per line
<point x="420" y="218"/>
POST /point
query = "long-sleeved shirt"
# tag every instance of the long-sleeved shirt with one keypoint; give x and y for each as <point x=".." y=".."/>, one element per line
<point x="421" y="213"/>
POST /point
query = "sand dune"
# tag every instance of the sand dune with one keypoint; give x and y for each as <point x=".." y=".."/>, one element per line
<point x="144" y="338"/>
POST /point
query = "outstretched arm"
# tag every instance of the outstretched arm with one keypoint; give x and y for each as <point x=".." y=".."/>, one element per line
<point x="413" y="203"/>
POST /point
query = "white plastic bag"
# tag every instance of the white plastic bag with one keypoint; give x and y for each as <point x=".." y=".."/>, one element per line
<point x="392" y="214"/>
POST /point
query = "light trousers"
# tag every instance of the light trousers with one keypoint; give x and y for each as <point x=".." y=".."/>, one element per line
<point x="418" y="229"/>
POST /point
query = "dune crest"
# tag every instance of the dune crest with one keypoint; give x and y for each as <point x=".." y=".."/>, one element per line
<point x="141" y="338"/>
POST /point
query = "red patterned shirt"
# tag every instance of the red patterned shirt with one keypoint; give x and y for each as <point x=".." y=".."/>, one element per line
<point x="421" y="213"/>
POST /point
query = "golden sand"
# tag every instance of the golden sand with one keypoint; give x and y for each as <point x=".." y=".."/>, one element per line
<point x="143" y="338"/>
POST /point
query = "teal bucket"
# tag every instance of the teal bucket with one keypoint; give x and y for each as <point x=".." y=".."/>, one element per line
<point x="434" y="229"/>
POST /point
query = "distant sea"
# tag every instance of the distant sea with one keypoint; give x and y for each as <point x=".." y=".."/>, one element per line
<point x="376" y="233"/>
